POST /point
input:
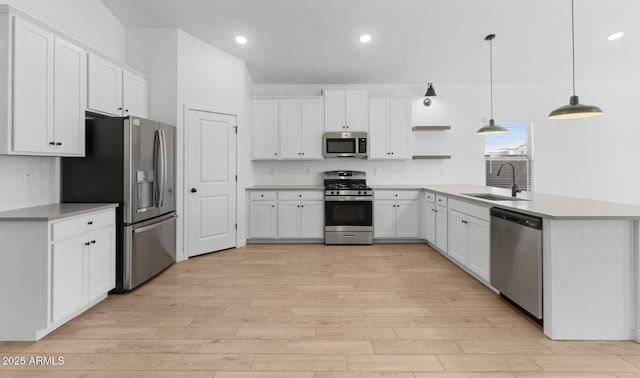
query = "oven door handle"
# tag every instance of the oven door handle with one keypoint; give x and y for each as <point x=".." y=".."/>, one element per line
<point x="347" y="198"/>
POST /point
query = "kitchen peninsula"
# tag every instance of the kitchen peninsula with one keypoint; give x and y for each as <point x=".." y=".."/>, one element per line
<point x="590" y="254"/>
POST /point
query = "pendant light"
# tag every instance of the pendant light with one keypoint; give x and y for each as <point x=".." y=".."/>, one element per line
<point x="430" y="93"/>
<point x="575" y="109"/>
<point x="492" y="128"/>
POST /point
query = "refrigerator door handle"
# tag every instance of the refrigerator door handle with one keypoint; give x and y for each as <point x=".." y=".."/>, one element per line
<point x="158" y="168"/>
<point x="164" y="168"/>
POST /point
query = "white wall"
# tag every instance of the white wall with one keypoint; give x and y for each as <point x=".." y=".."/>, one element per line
<point x="31" y="181"/>
<point x="590" y="158"/>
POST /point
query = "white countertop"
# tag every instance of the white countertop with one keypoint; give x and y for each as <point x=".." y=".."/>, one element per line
<point x="543" y="205"/>
<point x="286" y="187"/>
<point x="53" y="211"/>
<point x="538" y="204"/>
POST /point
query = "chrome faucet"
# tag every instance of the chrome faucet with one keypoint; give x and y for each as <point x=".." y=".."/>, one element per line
<point x="514" y="187"/>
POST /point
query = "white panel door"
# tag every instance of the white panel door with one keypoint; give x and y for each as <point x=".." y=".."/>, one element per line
<point x="134" y="95"/>
<point x="311" y="127"/>
<point x="430" y="223"/>
<point x="356" y="112"/>
<point x="399" y="126"/>
<point x="384" y="219"/>
<point x="70" y="96"/>
<point x="68" y="274"/>
<point x="262" y="217"/>
<point x="408" y="219"/>
<point x="101" y="262"/>
<point x="289" y="219"/>
<point x="334" y="110"/>
<point x="378" y="128"/>
<point x="479" y="248"/>
<point x="290" y="129"/>
<point x="105" y="86"/>
<point x="265" y="129"/>
<point x="32" y="88"/>
<point x="211" y="182"/>
<point x="457" y="237"/>
<point x="442" y="227"/>
<point x="312" y="219"/>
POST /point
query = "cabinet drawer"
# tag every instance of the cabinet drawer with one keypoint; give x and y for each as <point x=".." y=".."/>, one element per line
<point x="396" y="194"/>
<point x="68" y="227"/>
<point x="442" y="200"/>
<point x="267" y="196"/>
<point x="429" y="197"/>
<point x="478" y="211"/>
<point x="300" y="195"/>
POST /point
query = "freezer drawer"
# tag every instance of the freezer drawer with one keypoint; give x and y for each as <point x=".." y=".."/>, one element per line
<point x="149" y="248"/>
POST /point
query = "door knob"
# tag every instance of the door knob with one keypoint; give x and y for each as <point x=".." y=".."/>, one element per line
<point x="193" y="190"/>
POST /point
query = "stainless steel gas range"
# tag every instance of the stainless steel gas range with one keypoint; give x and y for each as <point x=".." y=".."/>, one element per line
<point x="348" y="208"/>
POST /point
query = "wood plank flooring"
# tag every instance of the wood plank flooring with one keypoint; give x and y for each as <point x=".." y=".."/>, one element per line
<point x="315" y="311"/>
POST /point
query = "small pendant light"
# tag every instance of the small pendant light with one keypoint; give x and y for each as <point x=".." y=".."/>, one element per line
<point x="575" y="109"/>
<point x="492" y="128"/>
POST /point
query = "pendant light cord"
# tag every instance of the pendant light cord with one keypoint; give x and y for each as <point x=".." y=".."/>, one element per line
<point x="491" y="74"/>
<point x="573" y="48"/>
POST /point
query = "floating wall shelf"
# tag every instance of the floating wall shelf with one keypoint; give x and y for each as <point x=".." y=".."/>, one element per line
<point x="431" y="128"/>
<point x="431" y="157"/>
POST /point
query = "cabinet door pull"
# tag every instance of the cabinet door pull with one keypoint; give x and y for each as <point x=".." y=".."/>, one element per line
<point x="93" y="242"/>
<point x="52" y="143"/>
<point x="58" y="143"/>
<point x="273" y="205"/>
<point x="90" y="223"/>
<point x="119" y="108"/>
<point x="87" y="243"/>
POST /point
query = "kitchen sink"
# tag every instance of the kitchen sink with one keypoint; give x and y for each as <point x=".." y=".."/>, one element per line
<point x="493" y="197"/>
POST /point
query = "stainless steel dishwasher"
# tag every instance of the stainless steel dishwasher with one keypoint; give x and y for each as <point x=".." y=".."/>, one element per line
<point x="516" y="259"/>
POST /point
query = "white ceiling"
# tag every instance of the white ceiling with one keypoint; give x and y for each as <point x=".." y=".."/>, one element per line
<point x="316" y="41"/>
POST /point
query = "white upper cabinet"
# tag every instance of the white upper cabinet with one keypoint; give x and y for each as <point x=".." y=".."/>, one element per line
<point x="134" y="95"/>
<point x="301" y="129"/>
<point x="70" y="96"/>
<point x="49" y="94"/>
<point x="114" y="90"/>
<point x="265" y="130"/>
<point x="33" y="88"/>
<point x="389" y="126"/>
<point x="105" y="86"/>
<point x="345" y="110"/>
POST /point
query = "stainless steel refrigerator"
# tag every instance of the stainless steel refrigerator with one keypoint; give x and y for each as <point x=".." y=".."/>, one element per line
<point x="130" y="161"/>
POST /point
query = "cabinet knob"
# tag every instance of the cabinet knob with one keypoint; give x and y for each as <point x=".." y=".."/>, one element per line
<point x="58" y="143"/>
<point x="93" y="242"/>
<point x="126" y="110"/>
<point x="90" y="223"/>
<point x="301" y="205"/>
<point x="52" y="143"/>
<point x="119" y="108"/>
<point x="299" y="195"/>
<point x="261" y="195"/>
<point x="396" y="194"/>
<point x="303" y="154"/>
<point x="275" y="153"/>
<point x="273" y="205"/>
<point x="194" y="190"/>
<point x="87" y="243"/>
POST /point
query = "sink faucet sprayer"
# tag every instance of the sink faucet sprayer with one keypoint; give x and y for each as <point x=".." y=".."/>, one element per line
<point x="514" y="187"/>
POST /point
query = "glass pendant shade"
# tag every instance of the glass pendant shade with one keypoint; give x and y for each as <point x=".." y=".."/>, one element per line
<point x="492" y="128"/>
<point x="575" y="110"/>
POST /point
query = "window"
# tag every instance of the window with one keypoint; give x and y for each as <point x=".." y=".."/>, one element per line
<point x="515" y="147"/>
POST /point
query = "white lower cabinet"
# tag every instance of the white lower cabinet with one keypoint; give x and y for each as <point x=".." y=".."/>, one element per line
<point x="442" y="223"/>
<point x="469" y="237"/>
<point x="263" y="217"/>
<point x="396" y="215"/>
<point x="58" y="269"/>
<point x="286" y="214"/>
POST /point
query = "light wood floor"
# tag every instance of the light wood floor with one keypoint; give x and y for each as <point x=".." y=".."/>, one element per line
<point x="303" y="311"/>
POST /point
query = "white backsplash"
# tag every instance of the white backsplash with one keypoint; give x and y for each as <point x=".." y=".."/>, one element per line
<point x="28" y="181"/>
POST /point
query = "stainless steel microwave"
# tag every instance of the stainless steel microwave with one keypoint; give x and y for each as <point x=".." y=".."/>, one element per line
<point x="350" y="144"/>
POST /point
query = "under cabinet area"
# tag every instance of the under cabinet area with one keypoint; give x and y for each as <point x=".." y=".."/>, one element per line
<point x="59" y="261"/>
<point x="289" y="214"/>
<point x="469" y="237"/>
<point x="396" y="214"/>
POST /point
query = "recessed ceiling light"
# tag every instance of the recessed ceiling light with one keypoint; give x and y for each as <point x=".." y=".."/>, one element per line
<point x="365" y="38"/>
<point x="615" y="36"/>
<point x="241" y="40"/>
